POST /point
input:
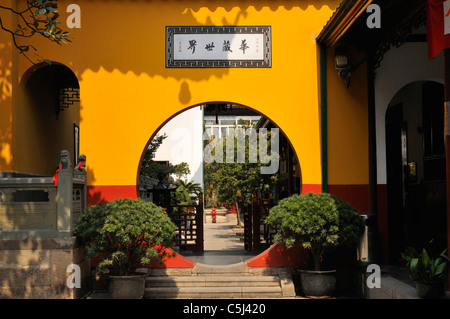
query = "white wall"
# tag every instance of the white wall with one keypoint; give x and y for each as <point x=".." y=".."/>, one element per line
<point x="184" y="142"/>
<point x="399" y="67"/>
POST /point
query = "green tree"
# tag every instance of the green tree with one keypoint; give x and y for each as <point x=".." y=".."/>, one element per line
<point x="180" y="170"/>
<point x="125" y="233"/>
<point x="151" y="168"/>
<point x="38" y="17"/>
<point x="187" y="192"/>
<point x="318" y="221"/>
<point x="230" y="182"/>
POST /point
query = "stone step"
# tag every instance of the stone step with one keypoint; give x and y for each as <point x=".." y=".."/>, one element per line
<point x="213" y="281"/>
<point x="213" y="292"/>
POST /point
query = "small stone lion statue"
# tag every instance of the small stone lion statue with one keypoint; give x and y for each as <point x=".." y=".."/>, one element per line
<point x="65" y="162"/>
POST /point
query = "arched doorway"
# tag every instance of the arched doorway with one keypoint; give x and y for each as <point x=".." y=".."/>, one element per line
<point x="46" y="119"/>
<point x="184" y="139"/>
<point x="415" y="158"/>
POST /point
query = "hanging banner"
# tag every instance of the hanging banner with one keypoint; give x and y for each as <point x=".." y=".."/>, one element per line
<point x="438" y="26"/>
<point x="218" y="47"/>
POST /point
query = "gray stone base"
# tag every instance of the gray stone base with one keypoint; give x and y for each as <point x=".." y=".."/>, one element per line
<point x="37" y="268"/>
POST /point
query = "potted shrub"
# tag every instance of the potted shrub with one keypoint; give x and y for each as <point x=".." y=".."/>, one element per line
<point x="319" y="222"/>
<point x="125" y="234"/>
<point x="428" y="273"/>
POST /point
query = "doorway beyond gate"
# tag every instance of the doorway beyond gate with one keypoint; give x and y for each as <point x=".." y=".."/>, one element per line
<point x="216" y="122"/>
<point x="416" y="173"/>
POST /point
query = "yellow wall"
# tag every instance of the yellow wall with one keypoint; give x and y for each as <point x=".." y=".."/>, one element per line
<point x="6" y="90"/>
<point x="118" y="55"/>
<point x="348" y="150"/>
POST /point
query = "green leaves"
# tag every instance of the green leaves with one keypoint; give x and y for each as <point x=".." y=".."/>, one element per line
<point x="151" y="169"/>
<point x="187" y="192"/>
<point x="40" y="11"/>
<point x="423" y="268"/>
<point x="232" y="175"/>
<point x="318" y="221"/>
<point x="38" y="18"/>
<point x="125" y="232"/>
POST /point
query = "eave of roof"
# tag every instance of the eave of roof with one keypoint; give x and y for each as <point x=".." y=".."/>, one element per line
<point x="342" y="19"/>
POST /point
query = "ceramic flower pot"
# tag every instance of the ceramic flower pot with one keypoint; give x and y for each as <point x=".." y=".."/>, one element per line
<point x="430" y="290"/>
<point x="127" y="287"/>
<point x="318" y="283"/>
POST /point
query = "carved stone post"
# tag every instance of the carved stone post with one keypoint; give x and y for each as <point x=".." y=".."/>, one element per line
<point x="80" y="169"/>
<point x="64" y="197"/>
<point x="80" y="173"/>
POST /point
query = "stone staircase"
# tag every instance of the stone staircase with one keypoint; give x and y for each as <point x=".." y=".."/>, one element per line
<point x="231" y="281"/>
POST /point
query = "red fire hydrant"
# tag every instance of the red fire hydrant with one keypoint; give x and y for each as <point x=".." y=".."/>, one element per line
<point x="213" y="214"/>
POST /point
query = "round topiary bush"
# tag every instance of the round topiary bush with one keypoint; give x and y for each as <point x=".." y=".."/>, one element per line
<point x="317" y="221"/>
<point x="125" y="232"/>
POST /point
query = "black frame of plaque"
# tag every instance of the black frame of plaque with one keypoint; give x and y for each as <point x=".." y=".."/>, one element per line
<point x="266" y="62"/>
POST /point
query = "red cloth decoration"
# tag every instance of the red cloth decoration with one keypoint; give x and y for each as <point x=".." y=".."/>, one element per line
<point x="438" y="26"/>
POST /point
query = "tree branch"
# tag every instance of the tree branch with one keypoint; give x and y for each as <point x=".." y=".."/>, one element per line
<point x="42" y="20"/>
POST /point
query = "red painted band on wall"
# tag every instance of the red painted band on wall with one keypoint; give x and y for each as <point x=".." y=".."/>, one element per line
<point x="100" y="194"/>
<point x="356" y="195"/>
<point x="279" y="256"/>
<point x="314" y="188"/>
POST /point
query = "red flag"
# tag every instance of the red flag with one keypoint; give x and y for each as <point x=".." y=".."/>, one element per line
<point x="438" y="26"/>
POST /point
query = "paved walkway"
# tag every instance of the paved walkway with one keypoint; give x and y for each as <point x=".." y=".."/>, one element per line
<point x="222" y="245"/>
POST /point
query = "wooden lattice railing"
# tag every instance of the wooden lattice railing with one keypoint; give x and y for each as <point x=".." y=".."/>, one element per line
<point x="189" y="222"/>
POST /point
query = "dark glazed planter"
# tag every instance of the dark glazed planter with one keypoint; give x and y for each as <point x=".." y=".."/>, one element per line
<point x="127" y="287"/>
<point x="318" y="283"/>
<point x="430" y="290"/>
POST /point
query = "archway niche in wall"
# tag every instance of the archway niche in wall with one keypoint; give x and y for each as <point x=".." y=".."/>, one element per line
<point x="416" y="173"/>
<point x="46" y="118"/>
<point x="185" y="140"/>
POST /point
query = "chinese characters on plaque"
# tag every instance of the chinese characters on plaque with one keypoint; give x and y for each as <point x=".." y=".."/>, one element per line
<point x="209" y="47"/>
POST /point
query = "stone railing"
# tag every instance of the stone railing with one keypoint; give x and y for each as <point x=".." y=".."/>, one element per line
<point x="37" y="248"/>
<point x="39" y="207"/>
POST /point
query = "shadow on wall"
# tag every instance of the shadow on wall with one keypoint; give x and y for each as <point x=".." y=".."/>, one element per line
<point x="111" y="47"/>
<point x="127" y="40"/>
<point x="5" y="106"/>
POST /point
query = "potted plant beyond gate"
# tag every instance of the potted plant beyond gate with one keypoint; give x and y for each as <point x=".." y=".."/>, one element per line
<point x="427" y="273"/>
<point x="319" y="222"/>
<point x="125" y="234"/>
